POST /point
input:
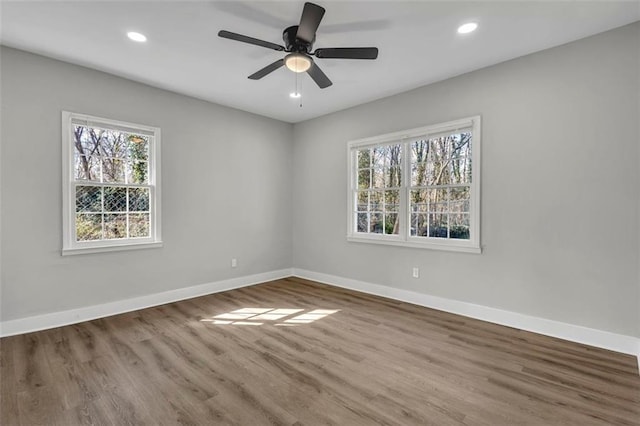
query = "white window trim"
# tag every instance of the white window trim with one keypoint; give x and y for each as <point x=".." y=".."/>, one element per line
<point x="69" y="244"/>
<point x="404" y="238"/>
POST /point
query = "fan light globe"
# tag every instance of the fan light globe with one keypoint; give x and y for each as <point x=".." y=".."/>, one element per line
<point x="297" y="62"/>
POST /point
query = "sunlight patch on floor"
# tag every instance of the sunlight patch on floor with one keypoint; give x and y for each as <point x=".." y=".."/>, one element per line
<point x="258" y="316"/>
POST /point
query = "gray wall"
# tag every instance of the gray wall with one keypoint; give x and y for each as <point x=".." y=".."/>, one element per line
<point x="226" y="190"/>
<point x="559" y="186"/>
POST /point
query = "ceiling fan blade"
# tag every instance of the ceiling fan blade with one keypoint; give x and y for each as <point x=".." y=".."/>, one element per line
<point x="311" y="16"/>
<point x="318" y="76"/>
<point x="347" y="53"/>
<point x="250" y="40"/>
<point x="267" y="70"/>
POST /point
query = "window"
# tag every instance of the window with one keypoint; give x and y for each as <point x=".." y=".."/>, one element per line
<point x="111" y="185"/>
<point x="417" y="188"/>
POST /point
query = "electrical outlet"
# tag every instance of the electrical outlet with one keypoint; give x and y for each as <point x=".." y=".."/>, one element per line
<point x="416" y="272"/>
<point x="234" y="262"/>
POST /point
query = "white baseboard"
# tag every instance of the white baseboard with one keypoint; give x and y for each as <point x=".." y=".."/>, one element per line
<point x="575" y="333"/>
<point x="73" y="316"/>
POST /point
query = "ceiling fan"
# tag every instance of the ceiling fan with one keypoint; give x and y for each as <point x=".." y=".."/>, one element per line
<point x="299" y="40"/>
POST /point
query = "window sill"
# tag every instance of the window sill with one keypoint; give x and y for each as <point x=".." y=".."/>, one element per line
<point x="414" y="244"/>
<point x="123" y="247"/>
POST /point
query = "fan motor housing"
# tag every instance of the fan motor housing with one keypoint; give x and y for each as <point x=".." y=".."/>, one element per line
<point x="294" y="44"/>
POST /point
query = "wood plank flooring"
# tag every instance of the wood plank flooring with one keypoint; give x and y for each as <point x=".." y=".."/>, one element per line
<point x="294" y="352"/>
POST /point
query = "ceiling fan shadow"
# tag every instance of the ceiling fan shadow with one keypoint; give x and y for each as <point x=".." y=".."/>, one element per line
<point x="372" y="25"/>
<point x="251" y="13"/>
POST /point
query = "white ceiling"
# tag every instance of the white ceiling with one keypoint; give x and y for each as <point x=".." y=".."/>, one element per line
<point x="417" y="40"/>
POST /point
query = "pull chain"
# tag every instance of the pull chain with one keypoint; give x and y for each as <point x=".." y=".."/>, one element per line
<point x="298" y="90"/>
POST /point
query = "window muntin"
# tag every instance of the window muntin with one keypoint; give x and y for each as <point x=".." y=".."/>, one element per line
<point x="417" y="187"/>
<point x="111" y="184"/>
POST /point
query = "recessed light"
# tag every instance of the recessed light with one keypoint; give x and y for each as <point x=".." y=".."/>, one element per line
<point x="467" y="28"/>
<point x="294" y="95"/>
<point x="140" y="38"/>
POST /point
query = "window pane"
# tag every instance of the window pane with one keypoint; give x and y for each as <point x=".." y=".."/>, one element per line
<point x="376" y="199"/>
<point x="438" y="225"/>
<point x="420" y="196"/>
<point x="459" y="226"/>
<point x="386" y="156"/>
<point x="377" y="224"/>
<point x="394" y="156"/>
<point x="115" y="226"/>
<point x="391" y="223"/>
<point x="138" y="199"/>
<point x="460" y="163"/>
<point x="459" y="200"/>
<point x="113" y="170"/>
<point x="115" y="199"/>
<point x="435" y="170"/>
<point x="379" y="156"/>
<point x="419" y="151"/>
<point x="419" y="165"/>
<point x="88" y="227"/>
<point x="138" y="147"/>
<point x="419" y="173"/>
<point x="460" y="170"/>
<point x="461" y="145"/>
<point x="138" y="225"/>
<point x="87" y="167"/>
<point x="392" y="177"/>
<point x="391" y="200"/>
<point x="378" y="177"/>
<point x="138" y="168"/>
<point x="364" y="179"/>
<point x="441" y="207"/>
<point x="88" y="199"/>
<point x="419" y="225"/>
<point x="138" y="172"/>
<point x="438" y="200"/>
<point x="438" y="170"/>
<point x="363" y="222"/>
<point x="113" y="144"/>
<point x="419" y="200"/>
<point x="86" y="141"/>
<point x="363" y="201"/>
<point x="364" y="158"/>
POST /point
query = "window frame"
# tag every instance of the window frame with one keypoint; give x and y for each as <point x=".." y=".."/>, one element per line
<point x="69" y="244"/>
<point x="404" y="237"/>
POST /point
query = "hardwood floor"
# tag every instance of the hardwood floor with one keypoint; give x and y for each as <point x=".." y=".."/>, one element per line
<point x="296" y="352"/>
